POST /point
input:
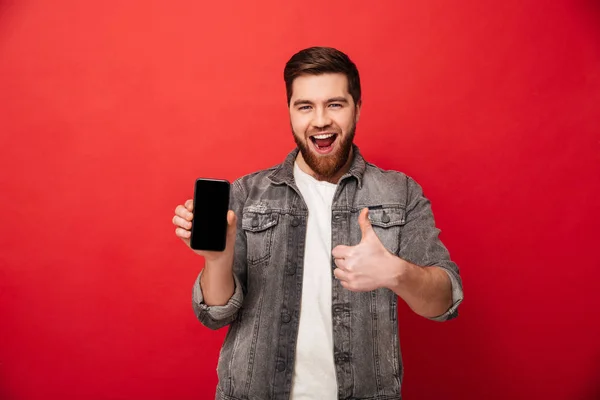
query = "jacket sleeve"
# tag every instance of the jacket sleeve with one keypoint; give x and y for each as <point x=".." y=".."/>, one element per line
<point x="215" y="317"/>
<point x="420" y="244"/>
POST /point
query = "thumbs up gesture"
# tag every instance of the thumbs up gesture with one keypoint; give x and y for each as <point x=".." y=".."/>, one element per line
<point x="368" y="265"/>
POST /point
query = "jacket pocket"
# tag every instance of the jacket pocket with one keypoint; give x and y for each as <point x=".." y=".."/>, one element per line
<point x="387" y="222"/>
<point x="259" y="227"/>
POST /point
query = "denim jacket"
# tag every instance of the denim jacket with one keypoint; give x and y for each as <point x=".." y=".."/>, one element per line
<point x="257" y="357"/>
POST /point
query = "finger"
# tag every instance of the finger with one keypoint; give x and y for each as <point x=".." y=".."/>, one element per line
<point x="341" y="263"/>
<point x="231" y="218"/>
<point x="183" y="212"/>
<point x="231" y="228"/>
<point x="341" y="275"/>
<point x="341" y="251"/>
<point x="182" y="223"/>
<point x="189" y="204"/>
<point x="350" y="286"/>
<point x="183" y="233"/>
<point x="365" y="225"/>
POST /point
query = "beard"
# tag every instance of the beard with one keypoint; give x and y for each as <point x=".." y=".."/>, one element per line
<point x="326" y="166"/>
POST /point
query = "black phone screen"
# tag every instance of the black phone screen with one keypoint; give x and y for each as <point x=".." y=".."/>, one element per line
<point x="209" y="225"/>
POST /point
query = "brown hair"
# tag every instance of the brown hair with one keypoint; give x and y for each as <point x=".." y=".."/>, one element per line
<point x="322" y="60"/>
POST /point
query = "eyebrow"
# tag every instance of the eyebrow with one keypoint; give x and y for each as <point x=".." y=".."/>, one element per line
<point x="338" y="99"/>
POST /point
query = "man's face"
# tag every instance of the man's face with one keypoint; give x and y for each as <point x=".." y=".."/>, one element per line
<point x="323" y="117"/>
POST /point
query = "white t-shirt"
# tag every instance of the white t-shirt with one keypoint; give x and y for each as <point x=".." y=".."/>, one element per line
<point x="314" y="369"/>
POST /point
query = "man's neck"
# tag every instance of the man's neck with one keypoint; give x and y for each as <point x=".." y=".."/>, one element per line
<point x="333" y="179"/>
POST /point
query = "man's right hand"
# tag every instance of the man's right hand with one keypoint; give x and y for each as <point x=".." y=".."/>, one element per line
<point x="183" y="223"/>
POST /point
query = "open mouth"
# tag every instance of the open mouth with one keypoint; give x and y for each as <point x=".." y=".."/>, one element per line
<point x="324" y="142"/>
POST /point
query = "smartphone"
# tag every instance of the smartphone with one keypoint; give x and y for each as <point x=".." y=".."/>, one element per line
<point x="209" y="225"/>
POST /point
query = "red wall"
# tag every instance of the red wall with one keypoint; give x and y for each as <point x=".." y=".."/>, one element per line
<point x="109" y="110"/>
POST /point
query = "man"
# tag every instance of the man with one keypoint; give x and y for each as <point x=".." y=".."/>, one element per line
<point x="319" y="248"/>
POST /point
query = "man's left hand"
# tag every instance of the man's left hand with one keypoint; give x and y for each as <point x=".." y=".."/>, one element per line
<point x="368" y="265"/>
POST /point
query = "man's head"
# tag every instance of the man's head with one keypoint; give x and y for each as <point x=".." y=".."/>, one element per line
<point x="324" y="100"/>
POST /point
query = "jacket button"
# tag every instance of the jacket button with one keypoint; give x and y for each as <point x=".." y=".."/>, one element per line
<point x="342" y="358"/>
<point x="385" y="218"/>
<point x="254" y="222"/>
<point x="337" y="217"/>
<point x="286" y="318"/>
<point x="280" y="366"/>
<point x="295" y="222"/>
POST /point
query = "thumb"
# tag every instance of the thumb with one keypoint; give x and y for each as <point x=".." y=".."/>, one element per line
<point x="365" y="225"/>
<point x="231" y="227"/>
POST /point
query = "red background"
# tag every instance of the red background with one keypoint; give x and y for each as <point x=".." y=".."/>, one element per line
<point x="109" y="110"/>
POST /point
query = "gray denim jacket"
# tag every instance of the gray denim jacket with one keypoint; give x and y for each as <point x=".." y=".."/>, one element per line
<point x="257" y="357"/>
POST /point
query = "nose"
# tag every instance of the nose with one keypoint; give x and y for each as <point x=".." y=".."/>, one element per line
<point x="321" y="118"/>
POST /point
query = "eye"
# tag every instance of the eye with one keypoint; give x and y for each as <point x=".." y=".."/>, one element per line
<point x="303" y="108"/>
<point x="335" y="105"/>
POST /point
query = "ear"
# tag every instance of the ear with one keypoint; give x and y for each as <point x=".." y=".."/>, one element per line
<point x="358" y="107"/>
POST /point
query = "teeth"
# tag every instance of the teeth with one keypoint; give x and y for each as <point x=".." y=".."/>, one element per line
<point x="325" y="136"/>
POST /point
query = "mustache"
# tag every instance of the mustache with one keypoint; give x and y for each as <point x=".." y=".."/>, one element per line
<point x="318" y="131"/>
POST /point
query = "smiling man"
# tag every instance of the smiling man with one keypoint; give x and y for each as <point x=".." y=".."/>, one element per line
<point x="323" y="116"/>
<point x="320" y="249"/>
